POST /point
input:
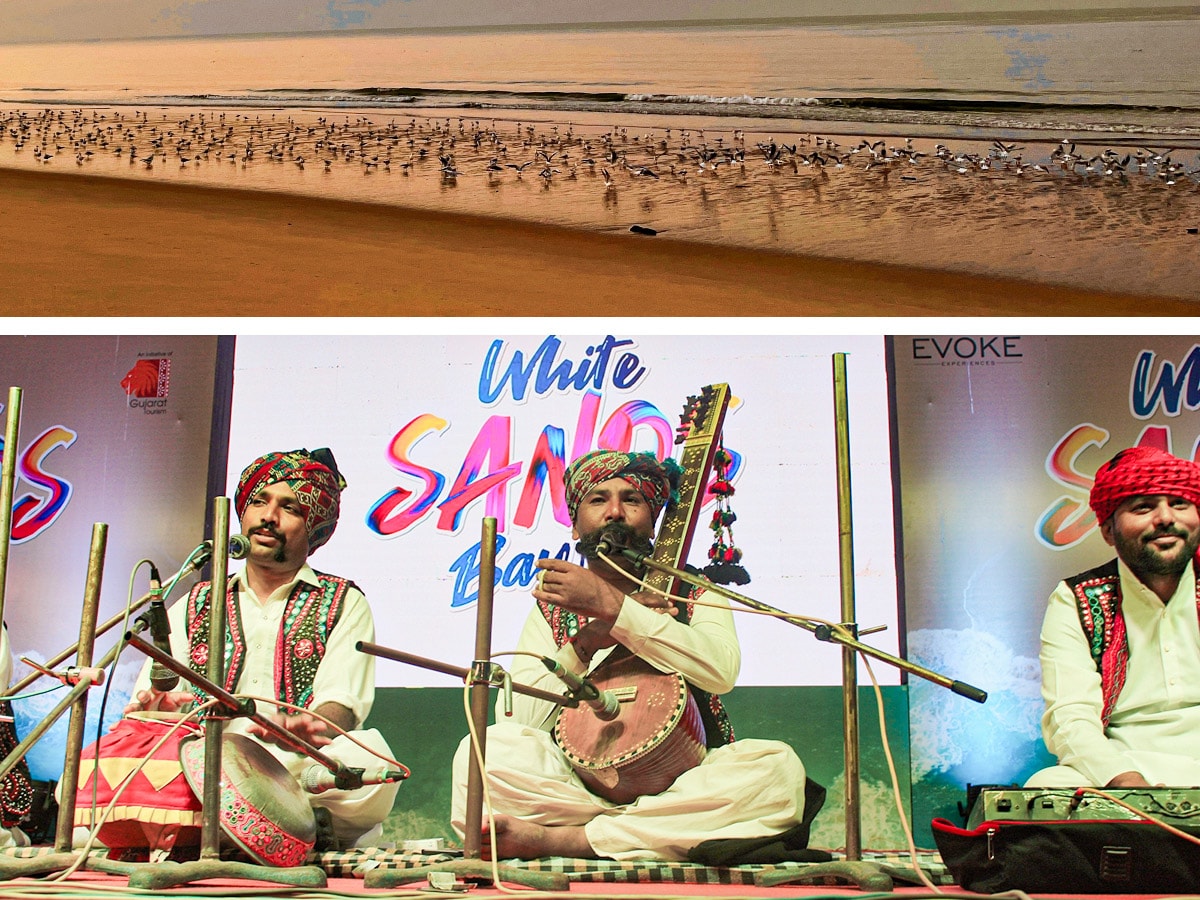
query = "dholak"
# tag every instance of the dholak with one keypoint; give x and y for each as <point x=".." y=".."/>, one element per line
<point x="158" y="809"/>
<point x="263" y="809"/>
<point x="657" y="735"/>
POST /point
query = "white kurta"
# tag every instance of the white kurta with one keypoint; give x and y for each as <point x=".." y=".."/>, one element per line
<point x="345" y="676"/>
<point x="1155" y="722"/>
<point x="751" y="788"/>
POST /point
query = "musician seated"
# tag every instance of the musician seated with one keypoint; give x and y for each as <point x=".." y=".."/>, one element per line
<point x="1121" y="643"/>
<point x="291" y="634"/>
<point x="742" y="789"/>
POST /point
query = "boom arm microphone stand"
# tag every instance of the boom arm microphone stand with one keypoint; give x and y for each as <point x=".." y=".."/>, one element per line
<point x="480" y="676"/>
<point x="157" y="876"/>
<point x="868" y="876"/>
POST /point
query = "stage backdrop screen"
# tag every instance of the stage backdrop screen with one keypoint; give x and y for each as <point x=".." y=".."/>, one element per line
<point x="433" y="433"/>
<point x="113" y="430"/>
<point x="999" y="440"/>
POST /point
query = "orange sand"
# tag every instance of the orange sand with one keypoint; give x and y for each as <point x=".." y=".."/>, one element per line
<point x="79" y="245"/>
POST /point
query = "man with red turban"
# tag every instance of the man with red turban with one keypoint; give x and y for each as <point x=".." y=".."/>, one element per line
<point x="1121" y="643"/>
<point x="585" y="615"/>
<point x="291" y="634"/>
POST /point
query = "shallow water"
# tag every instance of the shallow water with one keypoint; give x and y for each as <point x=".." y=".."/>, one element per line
<point x="1066" y="156"/>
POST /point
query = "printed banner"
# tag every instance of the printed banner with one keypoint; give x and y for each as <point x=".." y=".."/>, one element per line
<point x="999" y="439"/>
<point x="114" y="430"/>
<point x="435" y="433"/>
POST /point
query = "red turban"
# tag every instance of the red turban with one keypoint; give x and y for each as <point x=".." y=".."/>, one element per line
<point x="657" y="482"/>
<point x="314" y="479"/>
<point x="1142" y="470"/>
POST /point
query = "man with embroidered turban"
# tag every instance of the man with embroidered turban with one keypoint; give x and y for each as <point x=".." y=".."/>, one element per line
<point x="1121" y="643"/>
<point x="290" y="637"/>
<point x="585" y="615"/>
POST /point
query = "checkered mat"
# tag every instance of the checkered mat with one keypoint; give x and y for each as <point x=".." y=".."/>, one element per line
<point x="355" y="863"/>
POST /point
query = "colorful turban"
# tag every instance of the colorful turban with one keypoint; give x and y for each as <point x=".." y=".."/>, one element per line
<point x="657" y="482"/>
<point x="313" y="477"/>
<point x="1142" y="470"/>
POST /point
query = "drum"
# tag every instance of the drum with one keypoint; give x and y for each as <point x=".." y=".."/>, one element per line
<point x="263" y="809"/>
<point x="657" y="735"/>
<point x="158" y="809"/>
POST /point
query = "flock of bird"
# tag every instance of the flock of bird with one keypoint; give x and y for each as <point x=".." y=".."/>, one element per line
<point x="458" y="147"/>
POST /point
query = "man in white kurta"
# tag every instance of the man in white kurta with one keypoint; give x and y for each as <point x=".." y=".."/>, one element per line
<point x="288" y="505"/>
<point x="742" y="789"/>
<point x="1127" y="713"/>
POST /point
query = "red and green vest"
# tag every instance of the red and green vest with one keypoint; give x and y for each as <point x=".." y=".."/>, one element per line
<point x="718" y="730"/>
<point x="310" y="614"/>
<point x="1098" y="602"/>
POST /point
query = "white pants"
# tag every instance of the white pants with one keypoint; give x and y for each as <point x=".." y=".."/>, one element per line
<point x="751" y="788"/>
<point x="1157" y="768"/>
<point x="357" y="815"/>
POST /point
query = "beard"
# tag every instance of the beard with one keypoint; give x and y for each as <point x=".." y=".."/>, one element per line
<point x="619" y="535"/>
<point x="279" y="554"/>
<point x="1143" y="558"/>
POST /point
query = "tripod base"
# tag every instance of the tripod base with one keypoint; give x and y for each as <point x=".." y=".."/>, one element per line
<point x="156" y="876"/>
<point x="867" y="876"/>
<point x="31" y="867"/>
<point x="474" y="869"/>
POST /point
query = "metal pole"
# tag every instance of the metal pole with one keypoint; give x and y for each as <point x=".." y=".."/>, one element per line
<point x="8" y="479"/>
<point x="210" y="827"/>
<point x="78" y="721"/>
<point x="849" y="656"/>
<point x="480" y="691"/>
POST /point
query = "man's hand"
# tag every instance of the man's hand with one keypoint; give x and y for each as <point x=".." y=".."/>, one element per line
<point x="161" y="701"/>
<point x="304" y="726"/>
<point x="577" y="589"/>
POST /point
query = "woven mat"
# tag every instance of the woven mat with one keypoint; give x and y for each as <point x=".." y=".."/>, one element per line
<point x="355" y="863"/>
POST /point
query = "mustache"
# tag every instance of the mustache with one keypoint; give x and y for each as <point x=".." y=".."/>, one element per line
<point x="1167" y="531"/>
<point x="617" y="534"/>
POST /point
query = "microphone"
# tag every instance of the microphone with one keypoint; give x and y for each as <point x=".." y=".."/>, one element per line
<point x="239" y="546"/>
<point x="611" y="540"/>
<point x="161" y="678"/>
<point x="604" y="703"/>
<point x="72" y="675"/>
<point x="318" y="779"/>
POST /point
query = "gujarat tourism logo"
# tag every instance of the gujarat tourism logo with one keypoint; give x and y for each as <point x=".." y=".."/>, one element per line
<point x="148" y="383"/>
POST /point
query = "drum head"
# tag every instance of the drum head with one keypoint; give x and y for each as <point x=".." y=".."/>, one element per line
<point x="263" y="809"/>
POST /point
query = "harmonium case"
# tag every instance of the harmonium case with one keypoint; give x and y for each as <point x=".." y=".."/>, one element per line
<point x="1056" y="840"/>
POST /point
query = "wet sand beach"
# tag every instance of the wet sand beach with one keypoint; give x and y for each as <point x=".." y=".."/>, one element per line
<point x="73" y="245"/>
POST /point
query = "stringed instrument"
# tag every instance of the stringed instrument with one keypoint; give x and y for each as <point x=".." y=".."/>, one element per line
<point x="658" y="733"/>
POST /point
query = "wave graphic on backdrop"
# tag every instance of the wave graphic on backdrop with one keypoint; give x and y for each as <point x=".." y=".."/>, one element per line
<point x="993" y="742"/>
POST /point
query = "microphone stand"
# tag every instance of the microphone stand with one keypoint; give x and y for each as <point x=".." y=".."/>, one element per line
<point x="866" y="875"/>
<point x="195" y="562"/>
<point x="76" y="700"/>
<point x="480" y="677"/>
<point x="157" y="876"/>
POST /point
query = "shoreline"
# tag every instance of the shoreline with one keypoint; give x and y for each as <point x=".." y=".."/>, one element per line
<point x="87" y="245"/>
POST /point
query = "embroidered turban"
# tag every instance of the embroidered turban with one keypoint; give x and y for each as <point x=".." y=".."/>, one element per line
<point x="313" y="477"/>
<point x="1142" y="470"/>
<point x="657" y="482"/>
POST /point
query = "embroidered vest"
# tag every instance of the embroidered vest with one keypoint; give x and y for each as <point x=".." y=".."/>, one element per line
<point x="1098" y="602"/>
<point x="309" y="616"/>
<point x="718" y="730"/>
